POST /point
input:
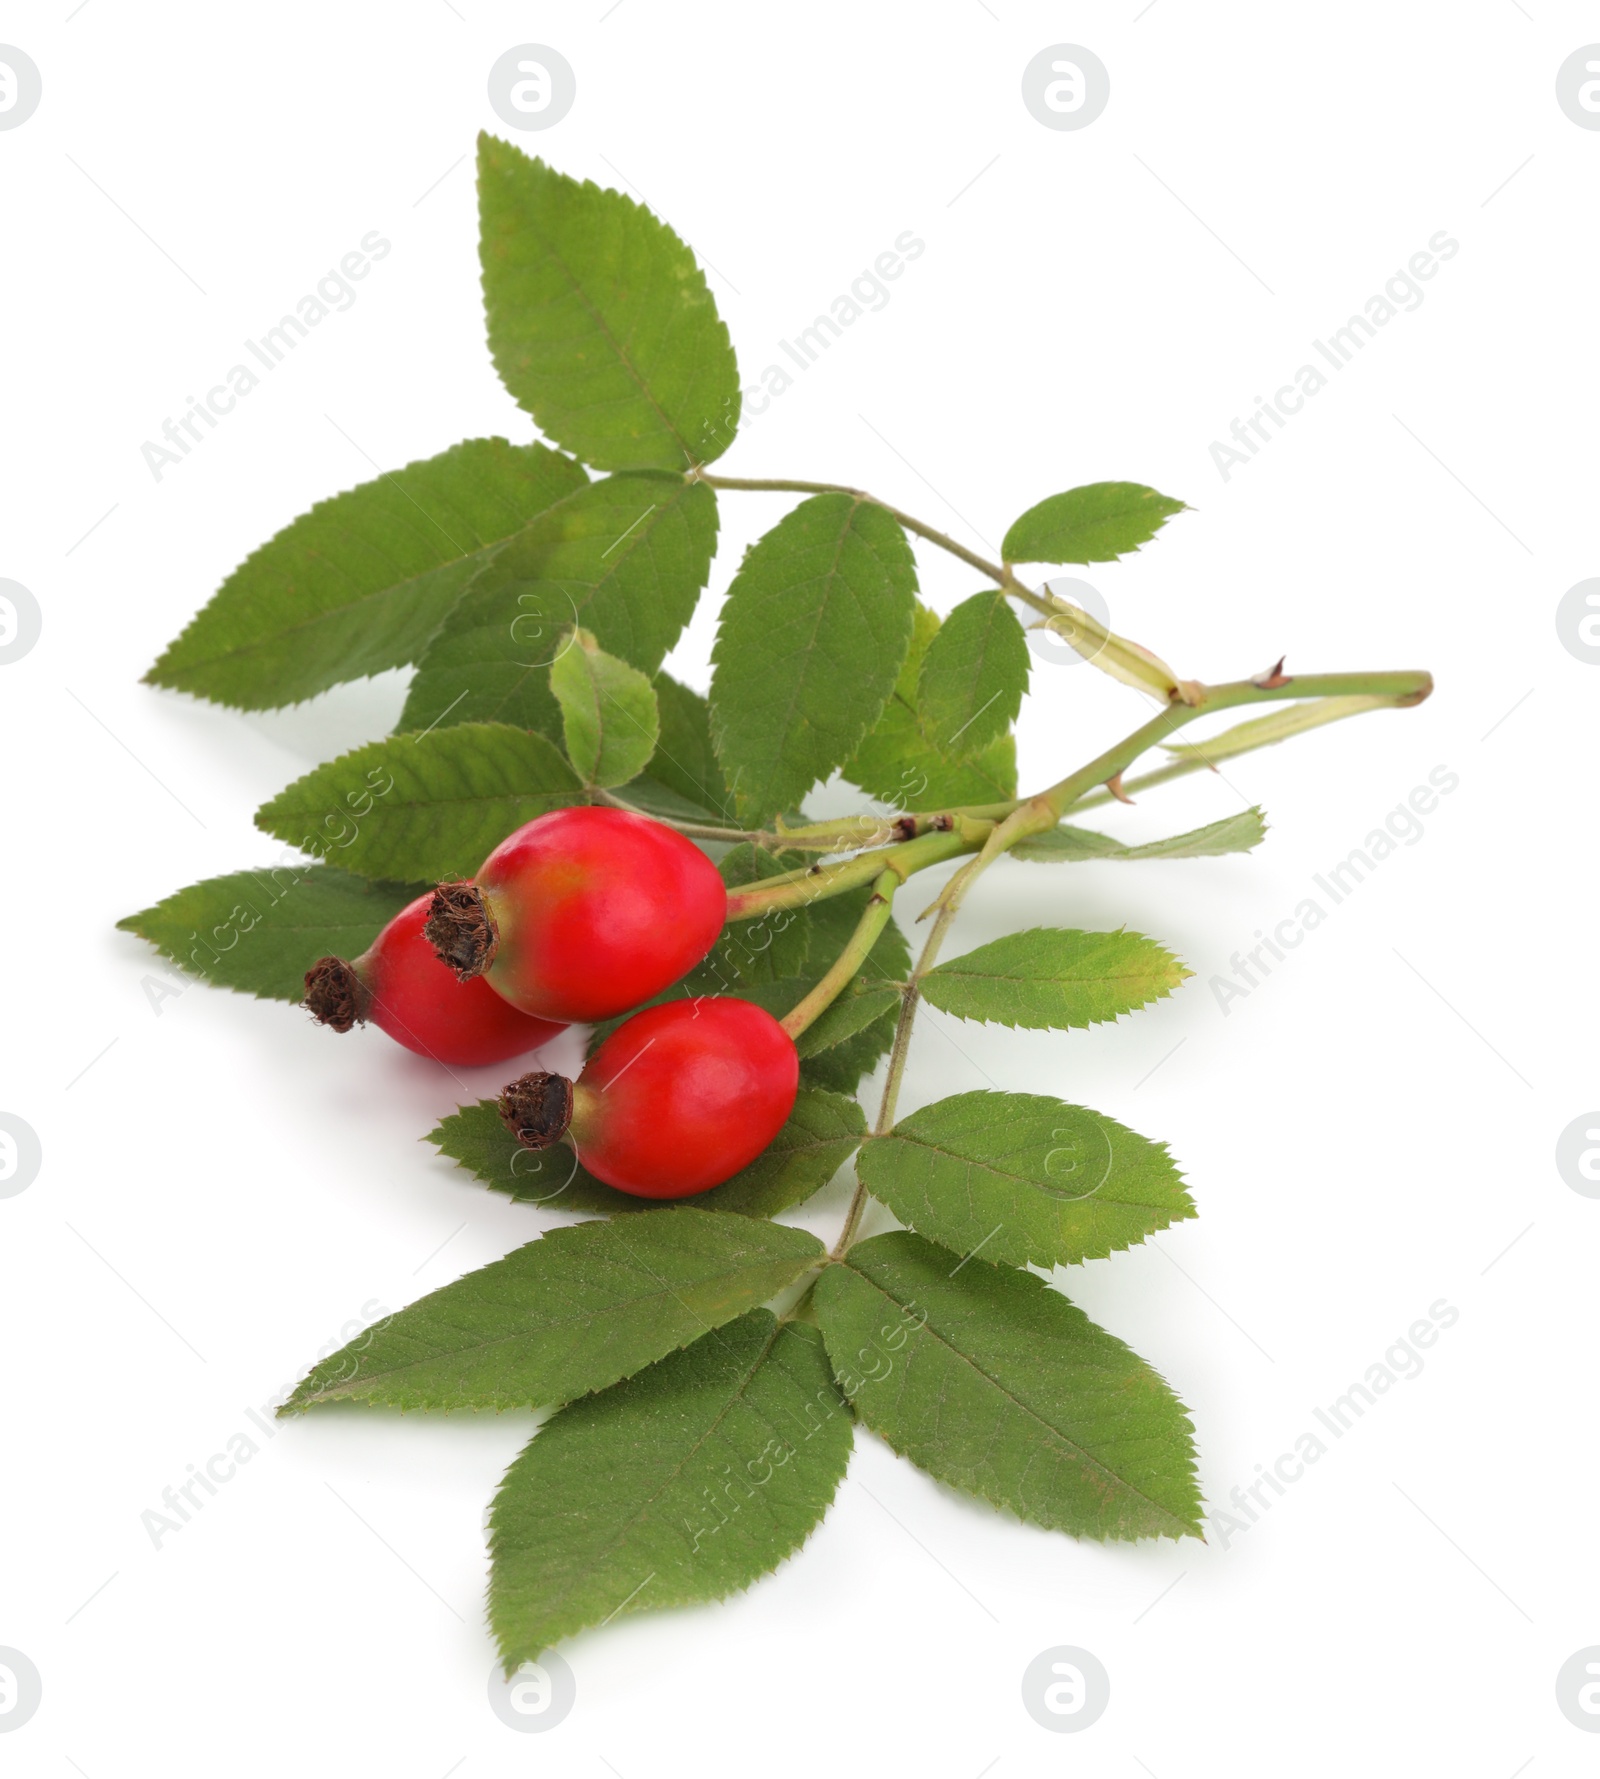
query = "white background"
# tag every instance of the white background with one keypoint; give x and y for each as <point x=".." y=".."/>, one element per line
<point x="225" y="1188"/>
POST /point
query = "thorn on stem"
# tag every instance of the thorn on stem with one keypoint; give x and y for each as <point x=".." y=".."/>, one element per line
<point x="1273" y="677"/>
<point x="1114" y="785"/>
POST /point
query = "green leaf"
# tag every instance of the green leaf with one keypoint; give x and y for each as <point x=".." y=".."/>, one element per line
<point x="422" y="807"/>
<point x="864" y="1003"/>
<point x="1049" y="977"/>
<point x="1097" y="523"/>
<point x="994" y="1383"/>
<point x="973" y="678"/>
<point x="814" y="632"/>
<point x="801" y="1159"/>
<point x="600" y="322"/>
<point x="685" y="760"/>
<point x="626" y="558"/>
<point x="772" y="947"/>
<point x="569" y="1313"/>
<point x="362" y="581"/>
<point x="1023" y="1179"/>
<point x="608" y="712"/>
<point x="1064" y="845"/>
<point x="686" y="1483"/>
<point x="475" y="1138"/>
<point x="896" y="764"/>
<point x="842" y="1064"/>
<point x="259" y="931"/>
<point x="490" y="662"/>
<point x="822" y="1133"/>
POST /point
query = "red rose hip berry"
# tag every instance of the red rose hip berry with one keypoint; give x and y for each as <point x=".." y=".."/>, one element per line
<point x="582" y="914"/>
<point x="400" y="985"/>
<point x="675" y="1101"/>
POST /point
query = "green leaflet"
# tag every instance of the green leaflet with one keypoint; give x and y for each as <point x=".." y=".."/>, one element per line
<point x="771" y="948"/>
<point x="814" y="632"/>
<point x="813" y="1145"/>
<point x="973" y="677"/>
<point x="569" y="1313"/>
<point x="995" y="1384"/>
<point x="491" y="662"/>
<point x="685" y="762"/>
<point x="861" y="1005"/>
<point x="259" y="931"/>
<point x="822" y="1133"/>
<point x="1024" y="1179"/>
<point x="1097" y="523"/>
<point x="600" y="322"/>
<point x="686" y="1483"/>
<point x="422" y="807"/>
<point x="626" y="558"/>
<point x="896" y="763"/>
<point x="1051" y="977"/>
<point x="1064" y="845"/>
<point x="608" y="712"/>
<point x="362" y="581"/>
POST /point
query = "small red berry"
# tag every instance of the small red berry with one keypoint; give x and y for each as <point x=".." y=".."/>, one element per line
<point x="400" y="985"/>
<point x="582" y="914"/>
<point x="675" y="1101"/>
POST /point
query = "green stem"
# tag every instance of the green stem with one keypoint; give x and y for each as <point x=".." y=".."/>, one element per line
<point x="996" y="571"/>
<point x="910" y="999"/>
<point x="796" y="889"/>
<point x="1246" y="738"/>
<point x="1397" y="688"/>
<point x="880" y="906"/>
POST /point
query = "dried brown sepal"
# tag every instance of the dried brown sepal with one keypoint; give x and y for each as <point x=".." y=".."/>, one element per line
<point x="461" y="929"/>
<point x="335" y="995"/>
<point x="537" y="1108"/>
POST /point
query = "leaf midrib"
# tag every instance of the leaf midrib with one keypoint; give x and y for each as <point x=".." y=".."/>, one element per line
<point x="561" y="1323"/>
<point x="1033" y="1414"/>
<point x="622" y="356"/>
<point x="672" y="1476"/>
<point x="976" y="1162"/>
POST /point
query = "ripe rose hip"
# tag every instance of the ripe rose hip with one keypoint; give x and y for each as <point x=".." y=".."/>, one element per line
<point x="675" y="1101"/>
<point x="402" y="987"/>
<point x="582" y="914"/>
